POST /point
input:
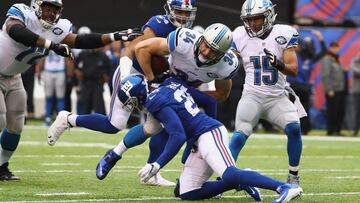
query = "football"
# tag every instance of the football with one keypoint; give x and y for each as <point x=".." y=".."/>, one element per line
<point x="159" y="64"/>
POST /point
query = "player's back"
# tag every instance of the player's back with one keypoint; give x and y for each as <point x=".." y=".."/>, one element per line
<point x="260" y="76"/>
<point x="18" y="57"/>
<point x="182" y="45"/>
<point x="173" y="93"/>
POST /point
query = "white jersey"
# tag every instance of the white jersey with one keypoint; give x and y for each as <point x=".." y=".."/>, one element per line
<point x="54" y="63"/>
<point x="15" y="57"/>
<point x="181" y="43"/>
<point x="260" y="76"/>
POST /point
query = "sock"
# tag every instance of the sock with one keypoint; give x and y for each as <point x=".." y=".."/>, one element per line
<point x="294" y="145"/>
<point x="60" y="105"/>
<point x="135" y="136"/>
<point x="234" y="176"/>
<point x="72" y="119"/>
<point x="208" y="190"/>
<point x="97" y="122"/>
<point x="157" y="145"/>
<point x="237" y="142"/>
<point x="8" y="145"/>
<point x="120" y="148"/>
<point x="49" y="104"/>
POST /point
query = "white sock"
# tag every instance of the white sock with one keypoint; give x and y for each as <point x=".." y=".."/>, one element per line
<point x="120" y="148"/>
<point x="72" y="119"/>
<point x="4" y="155"/>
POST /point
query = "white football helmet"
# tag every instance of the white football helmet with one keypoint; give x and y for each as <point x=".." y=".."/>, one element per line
<point x="36" y="5"/>
<point x="219" y="38"/>
<point x="181" y="13"/>
<point x="254" y="8"/>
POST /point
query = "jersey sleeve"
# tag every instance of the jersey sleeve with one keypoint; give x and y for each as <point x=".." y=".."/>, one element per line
<point x="292" y="37"/>
<point x="61" y="30"/>
<point x="160" y="25"/>
<point x="173" y="39"/>
<point x="231" y="66"/>
<point x="156" y="100"/>
<point x="18" y="12"/>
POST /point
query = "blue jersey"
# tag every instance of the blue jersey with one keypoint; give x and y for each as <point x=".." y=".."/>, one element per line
<point x="161" y="26"/>
<point x="173" y="96"/>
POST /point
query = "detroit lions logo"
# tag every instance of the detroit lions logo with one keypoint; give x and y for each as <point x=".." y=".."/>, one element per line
<point x="57" y="31"/>
<point x="280" y="40"/>
<point x="212" y="75"/>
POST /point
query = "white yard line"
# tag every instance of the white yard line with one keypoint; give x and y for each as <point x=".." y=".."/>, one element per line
<point x="62" y="194"/>
<point x="171" y="198"/>
<point x="344" y="177"/>
<point x="60" y="164"/>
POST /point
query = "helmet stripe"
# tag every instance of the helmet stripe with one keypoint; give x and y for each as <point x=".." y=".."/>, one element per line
<point x="186" y="2"/>
<point x="249" y="8"/>
<point x="220" y="35"/>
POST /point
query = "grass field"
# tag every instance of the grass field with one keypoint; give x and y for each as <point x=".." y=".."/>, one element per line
<point x="330" y="169"/>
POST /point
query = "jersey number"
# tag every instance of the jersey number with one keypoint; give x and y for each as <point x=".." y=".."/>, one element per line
<point x="189" y="37"/>
<point x="261" y="67"/>
<point x="190" y="106"/>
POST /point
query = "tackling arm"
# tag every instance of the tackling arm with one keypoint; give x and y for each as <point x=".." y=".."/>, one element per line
<point x="222" y="92"/>
<point x="145" y="49"/>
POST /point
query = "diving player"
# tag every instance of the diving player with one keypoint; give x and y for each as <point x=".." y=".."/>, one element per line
<point x="268" y="55"/>
<point x="179" y="13"/>
<point x="27" y="35"/>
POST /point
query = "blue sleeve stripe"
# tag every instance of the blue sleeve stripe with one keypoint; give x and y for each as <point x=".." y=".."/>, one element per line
<point x="233" y="45"/>
<point x="172" y="40"/>
<point x="293" y="41"/>
<point x="15" y="11"/>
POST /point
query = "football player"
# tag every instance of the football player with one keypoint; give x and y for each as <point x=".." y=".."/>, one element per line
<point x="179" y="13"/>
<point x="27" y="35"/>
<point x="172" y="105"/>
<point x="194" y="58"/>
<point x="268" y="55"/>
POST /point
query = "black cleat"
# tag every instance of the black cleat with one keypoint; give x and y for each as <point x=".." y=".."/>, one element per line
<point x="5" y="173"/>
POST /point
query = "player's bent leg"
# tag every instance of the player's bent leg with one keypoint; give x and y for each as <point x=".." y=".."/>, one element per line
<point x="96" y="122"/>
<point x="294" y="149"/>
<point x="8" y="144"/>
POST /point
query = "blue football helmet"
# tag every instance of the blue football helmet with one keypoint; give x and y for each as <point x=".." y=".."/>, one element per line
<point x="181" y="13"/>
<point x="133" y="92"/>
<point x="255" y="8"/>
<point x="36" y="6"/>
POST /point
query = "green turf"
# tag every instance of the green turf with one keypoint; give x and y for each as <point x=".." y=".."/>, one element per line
<point x="330" y="170"/>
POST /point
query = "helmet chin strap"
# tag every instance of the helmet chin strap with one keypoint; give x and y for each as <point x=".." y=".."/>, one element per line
<point x="45" y="24"/>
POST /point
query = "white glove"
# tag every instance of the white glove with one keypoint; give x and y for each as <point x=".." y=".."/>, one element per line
<point x="148" y="171"/>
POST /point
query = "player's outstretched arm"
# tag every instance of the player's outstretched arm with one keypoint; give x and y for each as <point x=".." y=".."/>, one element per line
<point x="95" y="40"/>
<point x="145" y="49"/>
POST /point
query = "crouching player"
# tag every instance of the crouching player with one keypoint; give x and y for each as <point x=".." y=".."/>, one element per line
<point x="174" y="107"/>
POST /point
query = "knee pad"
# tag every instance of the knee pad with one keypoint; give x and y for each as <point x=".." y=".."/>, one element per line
<point x="2" y="120"/>
<point x="15" y="122"/>
<point x="245" y="128"/>
<point x="293" y="130"/>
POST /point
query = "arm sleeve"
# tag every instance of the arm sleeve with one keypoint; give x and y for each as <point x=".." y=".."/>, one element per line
<point x="175" y="129"/>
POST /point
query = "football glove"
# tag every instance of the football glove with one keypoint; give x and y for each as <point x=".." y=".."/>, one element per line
<point x="127" y="35"/>
<point x="61" y="49"/>
<point x="148" y="171"/>
<point x="273" y="60"/>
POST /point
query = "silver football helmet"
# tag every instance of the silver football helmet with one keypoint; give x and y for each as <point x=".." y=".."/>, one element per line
<point x="36" y="5"/>
<point x="219" y="38"/>
<point x="255" y="8"/>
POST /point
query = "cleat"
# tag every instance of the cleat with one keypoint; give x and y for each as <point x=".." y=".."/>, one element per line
<point x="5" y="173"/>
<point x="288" y="192"/>
<point x="158" y="180"/>
<point x="252" y="191"/>
<point x="58" y="127"/>
<point x="106" y="164"/>
<point x="293" y="179"/>
<point x="177" y="188"/>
